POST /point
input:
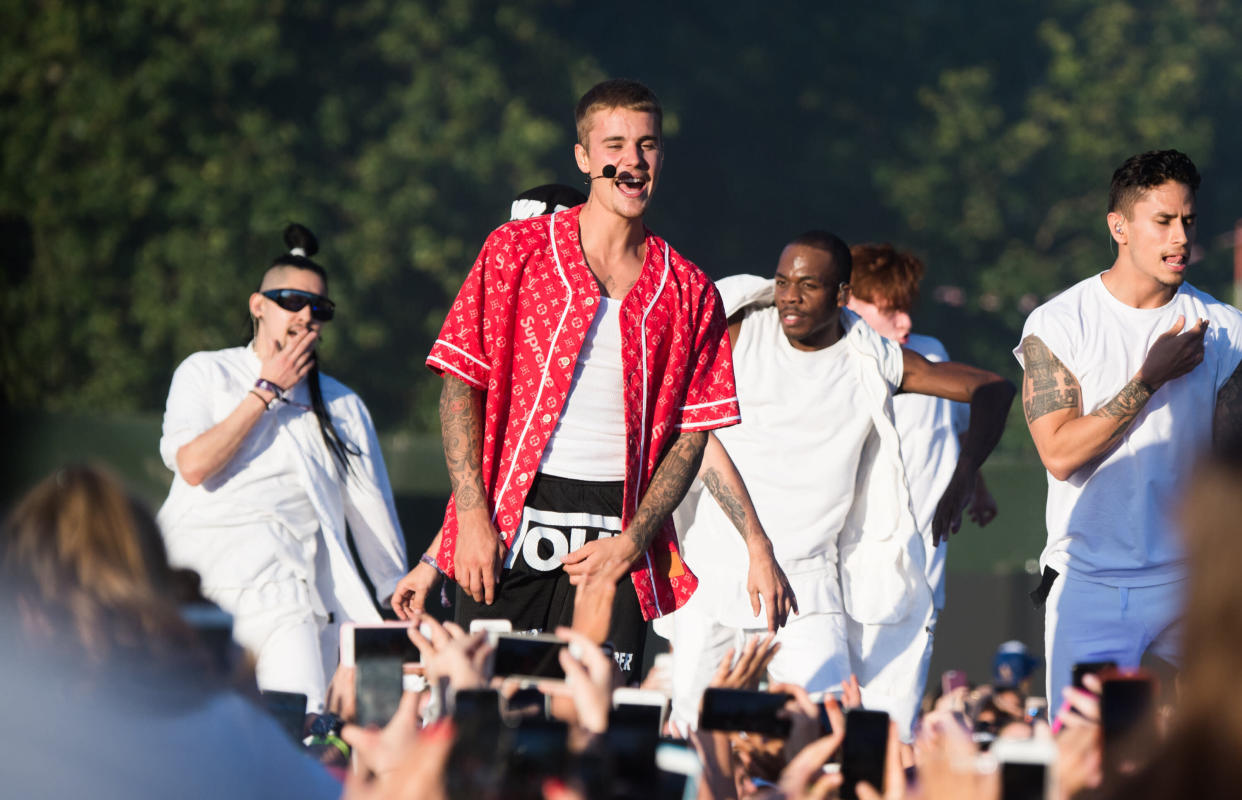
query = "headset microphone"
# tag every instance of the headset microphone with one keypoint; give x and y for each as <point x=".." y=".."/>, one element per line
<point x="609" y="171"/>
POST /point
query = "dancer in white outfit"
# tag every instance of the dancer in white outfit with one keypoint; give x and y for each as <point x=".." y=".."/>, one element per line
<point x="819" y="456"/>
<point x="271" y="460"/>
<point x="1129" y="375"/>
<point x="884" y="288"/>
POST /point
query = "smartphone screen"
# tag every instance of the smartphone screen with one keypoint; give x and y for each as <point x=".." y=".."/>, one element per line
<point x="1127" y="719"/>
<point x="1090" y="668"/>
<point x="385" y="642"/>
<point x="472" y="704"/>
<point x="475" y="763"/>
<point x="377" y="689"/>
<point x="528" y="656"/>
<point x="537" y="747"/>
<point x="744" y="710"/>
<point x="863" y="751"/>
<point x="952" y="679"/>
<point x="637" y="716"/>
<point x="1022" y="781"/>
<point x="630" y="747"/>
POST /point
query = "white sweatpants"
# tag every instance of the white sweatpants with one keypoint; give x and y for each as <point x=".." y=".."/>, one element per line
<point x="1085" y="621"/>
<point x="276" y="623"/>
<point x="814" y="654"/>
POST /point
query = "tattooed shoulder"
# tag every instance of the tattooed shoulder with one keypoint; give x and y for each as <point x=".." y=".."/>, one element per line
<point x="1048" y="385"/>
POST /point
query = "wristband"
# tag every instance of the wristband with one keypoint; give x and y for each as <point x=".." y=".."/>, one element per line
<point x="268" y="386"/>
<point x="445" y="602"/>
<point x="266" y="404"/>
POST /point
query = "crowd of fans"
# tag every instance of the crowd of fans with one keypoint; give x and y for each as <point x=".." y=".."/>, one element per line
<point x="121" y="685"/>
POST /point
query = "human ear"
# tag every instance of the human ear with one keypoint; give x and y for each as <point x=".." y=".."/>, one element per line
<point x="1117" y="227"/>
<point x="843" y="295"/>
<point x="583" y="159"/>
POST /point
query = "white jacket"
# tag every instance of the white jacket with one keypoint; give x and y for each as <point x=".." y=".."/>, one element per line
<point x="881" y="558"/>
<point x="209" y="385"/>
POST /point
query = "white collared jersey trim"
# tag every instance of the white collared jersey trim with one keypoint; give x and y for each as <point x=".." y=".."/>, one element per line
<point x="543" y="379"/>
<point x="450" y="368"/>
<point x="719" y="422"/>
<point x="642" y="454"/>
<point x="709" y="405"/>
<point x="457" y="349"/>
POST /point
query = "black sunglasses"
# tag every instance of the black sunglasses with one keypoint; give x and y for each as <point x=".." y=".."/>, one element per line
<point x="322" y="308"/>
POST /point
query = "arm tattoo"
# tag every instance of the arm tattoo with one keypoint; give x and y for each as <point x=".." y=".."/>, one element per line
<point x="729" y="502"/>
<point x="668" y="486"/>
<point x="1227" y="421"/>
<point x="461" y="421"/>
<point x="1049" y="385"/>
<point x="1125" y="406"/>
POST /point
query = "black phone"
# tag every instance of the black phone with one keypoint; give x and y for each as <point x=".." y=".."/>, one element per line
<point x="1127" y="718"/>
<point x="1090" y="668"/>
<point x="386" y="641"/>
<point x="528" y="656"/>
<point x="377" y="689"/>
<point x="863" y="751"/>
<point x="744" y="710"/>
<point x="476" y="768"/>
<point x="476" y="704"/>
<point x="630" y="749"/>
<point x="537" y="747"/>
<point x="1023" y="781"/>
<point x="288" y="709"/>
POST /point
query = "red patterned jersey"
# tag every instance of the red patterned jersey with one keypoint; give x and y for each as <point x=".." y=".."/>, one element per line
<point x="514" y="332"/>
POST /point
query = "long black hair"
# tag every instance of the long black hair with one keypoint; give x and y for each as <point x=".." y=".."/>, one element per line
<point x="300" y="239"/>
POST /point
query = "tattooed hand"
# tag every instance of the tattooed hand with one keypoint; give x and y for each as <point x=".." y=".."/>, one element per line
<point x="1174" y="354"/>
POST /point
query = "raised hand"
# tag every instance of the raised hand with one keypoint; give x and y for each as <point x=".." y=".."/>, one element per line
<point x="1174" y="353"/>
<point x="287" y="366"/>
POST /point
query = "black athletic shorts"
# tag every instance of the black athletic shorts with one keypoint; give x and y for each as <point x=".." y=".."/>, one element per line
<point x="560" y="516"/>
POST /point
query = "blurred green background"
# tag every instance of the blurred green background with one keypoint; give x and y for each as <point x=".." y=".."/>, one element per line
<point x="152" y="152"/>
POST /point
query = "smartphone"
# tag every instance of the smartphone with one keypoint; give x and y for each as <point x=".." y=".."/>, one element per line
<point x="630" y="750"/>
<point x="952" y="679"/>
<point x="863" y="751"/>
<point x="1127" y="718"/>
<point x="359" y="640"/>
<point x="475" y="763"/>
<point x="678" y="770"/>
<point x="1026" y="768"/>
<point x="744" y="710"/>
<point x="536" y="748"/>
<point x="531" y="656"/>
<point x="1090" y="668"/>
<point x="377" y="689"/>
<point x="637" y="705"/>
<point x="491" y="625"/>
<point x="483" y="704"/>
<point x="288" y="709"/>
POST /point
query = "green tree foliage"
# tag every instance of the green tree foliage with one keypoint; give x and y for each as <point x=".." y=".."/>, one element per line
<point x="1004" y="184"/>
<point x="154" y="151"/>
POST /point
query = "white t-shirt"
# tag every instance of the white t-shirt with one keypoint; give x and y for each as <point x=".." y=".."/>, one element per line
<point x="1111" y="521"/>
<point x="929" y="428"/>
<point x="588" y="443"/>
<point x="254" y="523"/>
<point x="805" y="419"/>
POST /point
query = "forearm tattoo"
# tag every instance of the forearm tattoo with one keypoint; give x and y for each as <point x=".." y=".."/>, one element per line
<point x="728" y="500"/>
<point x="1227" y="421"/>
<point x="1049" y="385"/>
<point x="461" y="418"/>
<point x="1123" y="408"/>
<point x="672" y="477"/>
